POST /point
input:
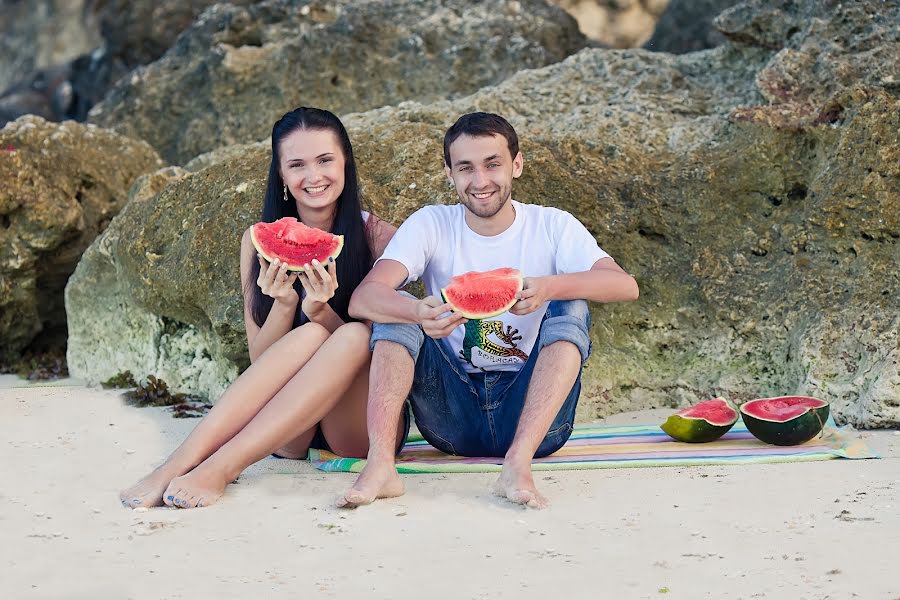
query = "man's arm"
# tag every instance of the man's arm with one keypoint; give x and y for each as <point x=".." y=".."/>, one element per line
<point x="376" y="297"/>
<point x="605" y="282"/>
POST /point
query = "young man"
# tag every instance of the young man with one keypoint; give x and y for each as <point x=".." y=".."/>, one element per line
<point x="505" y="386"/>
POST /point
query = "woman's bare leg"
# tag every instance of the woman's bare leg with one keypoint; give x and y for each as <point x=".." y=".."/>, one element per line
<point x="308" y="398"/>
<point x="238" y="406"/>
<point x="344" y="428"/>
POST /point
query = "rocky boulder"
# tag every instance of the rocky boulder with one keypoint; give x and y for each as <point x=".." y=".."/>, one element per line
<point x="137" y="32"/>
<point x="615" y="23"/>
<point x="62" y="184"/>
<point x="763" y="229"/>
<point x="63" y="57"/>
<point x="238" y="68"/>
<point x="687" y="26"/>
<point x="36" y="34"/>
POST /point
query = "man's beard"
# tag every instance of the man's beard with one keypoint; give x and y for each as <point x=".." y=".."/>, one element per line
<point x="486" y="211"/>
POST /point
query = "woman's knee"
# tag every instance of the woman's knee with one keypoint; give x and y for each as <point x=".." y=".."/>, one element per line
<point x="308" y="334"/>
<point x="354" y="332"/>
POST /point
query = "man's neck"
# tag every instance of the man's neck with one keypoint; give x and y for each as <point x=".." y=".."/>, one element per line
<point x="491" y="226"/>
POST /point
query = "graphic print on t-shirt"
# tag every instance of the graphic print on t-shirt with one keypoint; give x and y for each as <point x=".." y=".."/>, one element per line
<point x="480" y="351"/>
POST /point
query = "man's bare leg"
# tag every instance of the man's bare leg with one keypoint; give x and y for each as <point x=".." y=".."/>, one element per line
<point x="390" y="380"/>
<point x="238" y="405"/>
<point x="551" y="381"/>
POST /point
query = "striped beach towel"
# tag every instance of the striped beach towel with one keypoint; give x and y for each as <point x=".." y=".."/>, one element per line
<point x="605" y="447"/>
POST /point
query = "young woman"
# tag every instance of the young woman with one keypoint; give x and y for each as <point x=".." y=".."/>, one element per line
<point x="307" y="384"/>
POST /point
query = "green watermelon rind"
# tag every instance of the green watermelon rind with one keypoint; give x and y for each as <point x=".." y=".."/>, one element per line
<point x="270" y="255"/>
<point x="485" y="315"/>
<point x="789" y="432"/>
<point x="694" y="430"/>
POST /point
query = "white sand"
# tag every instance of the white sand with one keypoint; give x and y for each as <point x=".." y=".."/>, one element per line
<point x="758" y="531"/>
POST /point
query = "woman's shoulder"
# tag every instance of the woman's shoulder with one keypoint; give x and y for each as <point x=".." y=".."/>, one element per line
<point x="380" y="233"/>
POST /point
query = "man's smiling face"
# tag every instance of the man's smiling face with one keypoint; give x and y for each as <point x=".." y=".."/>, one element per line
<point x="482" y="171"/>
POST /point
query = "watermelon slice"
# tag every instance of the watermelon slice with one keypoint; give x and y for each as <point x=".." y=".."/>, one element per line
<point x="785" y="420"/>
<point x="483" y="294"/>
<point x="704" y="422"/>
<point x="295" y="244"/>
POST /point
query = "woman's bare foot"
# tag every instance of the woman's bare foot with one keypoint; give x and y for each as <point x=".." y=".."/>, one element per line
<point x="201" y="487"/>
<point x="516" y="484"/>
<point x="148" y="491"/>
<point x="379" y="479"/>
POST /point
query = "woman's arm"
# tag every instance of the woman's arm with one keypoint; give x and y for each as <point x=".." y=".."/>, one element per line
<point x="327" y="318"/>
<point x="281" y="317"/>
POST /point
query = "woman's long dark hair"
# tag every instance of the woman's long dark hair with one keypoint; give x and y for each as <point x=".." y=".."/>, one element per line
<point x="356" y="259"/>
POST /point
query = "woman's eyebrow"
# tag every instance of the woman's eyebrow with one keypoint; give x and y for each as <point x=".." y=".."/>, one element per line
<point x="290" y="160"/>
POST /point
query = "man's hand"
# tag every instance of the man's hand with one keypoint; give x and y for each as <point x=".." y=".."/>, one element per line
<point x="429" y="312"/>
<point x="534" y="293"/>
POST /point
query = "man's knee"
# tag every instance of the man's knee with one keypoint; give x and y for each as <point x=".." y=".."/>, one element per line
<point x="568" y="321"/>
<point x="407" y="335"/>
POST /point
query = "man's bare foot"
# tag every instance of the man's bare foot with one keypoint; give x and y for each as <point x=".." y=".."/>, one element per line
<point x="377" y="480"/>
<point x="148" y="491"/>
<point x="516" y="484"/>
<point x="201" y="487"/>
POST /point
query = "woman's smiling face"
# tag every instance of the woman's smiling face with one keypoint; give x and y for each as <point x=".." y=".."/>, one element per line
<point x="312" y="167"/>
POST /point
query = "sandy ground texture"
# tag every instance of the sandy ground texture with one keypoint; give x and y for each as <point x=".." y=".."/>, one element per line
<point x="794" y="531"/>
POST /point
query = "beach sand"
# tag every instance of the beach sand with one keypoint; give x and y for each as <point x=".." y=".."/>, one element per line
<point x="795" y="531"/>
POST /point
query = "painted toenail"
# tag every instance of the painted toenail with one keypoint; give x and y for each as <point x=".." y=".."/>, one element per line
<point x="169" y="497"/>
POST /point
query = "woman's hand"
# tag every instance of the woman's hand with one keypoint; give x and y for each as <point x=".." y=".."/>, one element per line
<point x="275" y="281"/>
<point x="319" y="285"/>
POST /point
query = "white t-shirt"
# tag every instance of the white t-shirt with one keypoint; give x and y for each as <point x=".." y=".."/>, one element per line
<point x="435" y="244"/>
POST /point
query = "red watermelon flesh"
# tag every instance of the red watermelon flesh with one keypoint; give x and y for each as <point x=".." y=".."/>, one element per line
<point x="294" y="243"/>
<point x="702" y="422"/>
<point x="780" y="410"/>
<point x="483" y="294"/>
<point x="715" y="412"/>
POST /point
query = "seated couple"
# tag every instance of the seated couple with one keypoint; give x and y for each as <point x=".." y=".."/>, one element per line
<point x="321" y="377"/>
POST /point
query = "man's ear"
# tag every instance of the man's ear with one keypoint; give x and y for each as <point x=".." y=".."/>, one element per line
<point x="447" y="172"/>
<point x="518" y="165"/>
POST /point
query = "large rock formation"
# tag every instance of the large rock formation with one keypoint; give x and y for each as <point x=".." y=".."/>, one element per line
<point x="615" y="23"/>
<point x="36" y="34"/>
<point x="237" y="69"/>
<point x="756" y="201"/>
<point x="62" y="57"/>
<point x="62" y="183"/>
<point x="137" y="32"/>
<point x="687" y="26"/>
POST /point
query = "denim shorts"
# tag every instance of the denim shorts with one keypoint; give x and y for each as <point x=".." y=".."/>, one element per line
<point x="476" y="414"/>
